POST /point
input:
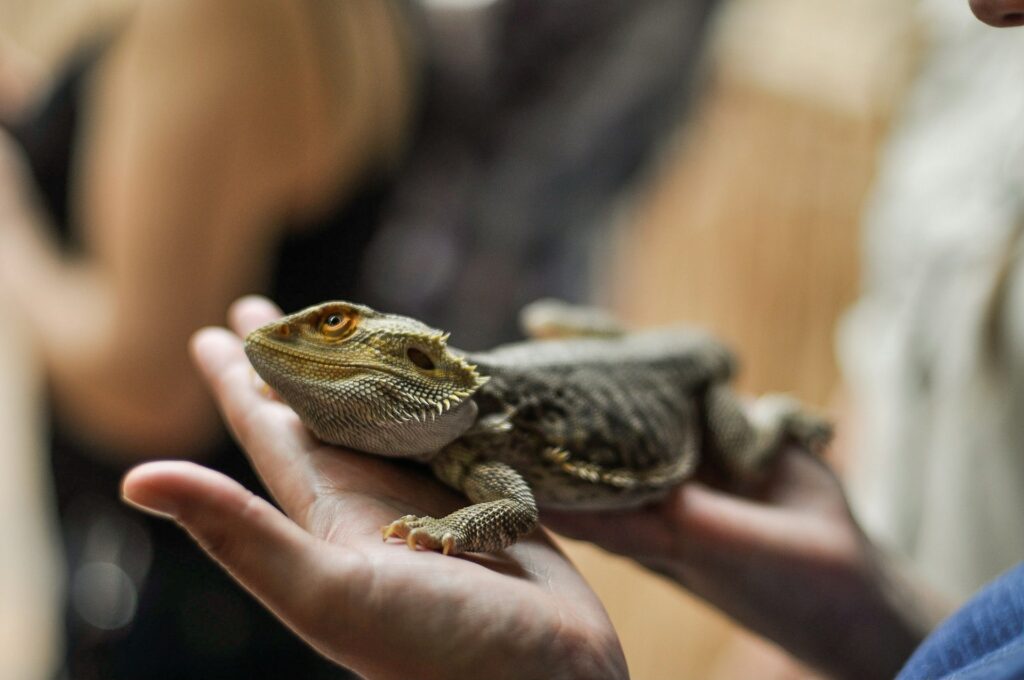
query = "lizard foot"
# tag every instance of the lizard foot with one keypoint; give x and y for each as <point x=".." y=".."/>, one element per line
<point x="427" y="532"/>
<point x="812" y="431"/>
<point x="805" y="427"/>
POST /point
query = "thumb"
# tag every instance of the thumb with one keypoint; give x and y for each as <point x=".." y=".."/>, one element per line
<point x="259" y="547"/>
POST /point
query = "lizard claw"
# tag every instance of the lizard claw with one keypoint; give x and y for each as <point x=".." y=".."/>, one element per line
<point x="399" y="528"/>
<point x="422" y="532"/>
<point x="412" y="539"/>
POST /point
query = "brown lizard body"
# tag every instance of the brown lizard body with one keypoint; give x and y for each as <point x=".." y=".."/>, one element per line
<point x="595" y="418"/>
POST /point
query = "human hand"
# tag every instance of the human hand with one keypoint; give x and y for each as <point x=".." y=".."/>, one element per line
<point x="18" y="245"/>
<point x="784" y="558"/>
<point x="377" y="608"/>
<point x="14" y="180"/>
<point x="27" y="256"/>
<point x="21" y="77"/>
<point x="48" y="291"/>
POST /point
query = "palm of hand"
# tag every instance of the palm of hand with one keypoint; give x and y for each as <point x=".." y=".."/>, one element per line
<point x="425" y="605"/>
<point x="376" y="607"/>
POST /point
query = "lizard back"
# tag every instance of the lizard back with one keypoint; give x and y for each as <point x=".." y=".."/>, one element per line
<point x="598" y="422"/>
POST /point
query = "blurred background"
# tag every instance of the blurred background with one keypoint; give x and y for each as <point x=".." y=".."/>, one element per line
<point x="674" y="160"/>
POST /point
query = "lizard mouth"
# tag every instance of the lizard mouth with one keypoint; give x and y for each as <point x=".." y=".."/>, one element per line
<point x="280" y="349"/>
<point x="275" y="359"/>
<point x="281" y="364"/>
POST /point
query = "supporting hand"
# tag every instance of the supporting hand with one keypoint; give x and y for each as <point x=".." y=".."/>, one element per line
<point x="377" y="608"/>
<point x="786" y="559"/>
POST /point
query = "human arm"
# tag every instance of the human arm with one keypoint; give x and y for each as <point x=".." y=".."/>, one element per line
<point x="20" y="75"/>
<point x="151" y="209"/>
<point x="374" y="607"/>
<point x="785" y="559"/>
<point x="206" y="126"/>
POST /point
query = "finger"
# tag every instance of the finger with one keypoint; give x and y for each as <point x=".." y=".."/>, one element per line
<point x="802" y="480"/>
<point x="692" y="519"/>
<point x="262" y="549"/>
<point x="709" y="516"/>
<point x="268" y="431"/>
<point x="250" y="312"/>
<point x="21" y="75"/>
<point x="220" y="357"/>
<point x="691" y="515"/>
<point x="636" y="533"/>
<point x="246" y="315"/>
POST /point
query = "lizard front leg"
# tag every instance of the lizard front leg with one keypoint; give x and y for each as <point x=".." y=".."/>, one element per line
<point x="503" y="508"/>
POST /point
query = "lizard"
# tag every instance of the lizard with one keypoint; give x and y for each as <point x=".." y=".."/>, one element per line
<point x="582" y="415"/>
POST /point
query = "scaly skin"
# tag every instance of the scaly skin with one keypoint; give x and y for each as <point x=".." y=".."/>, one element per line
<point x="597" y="418"/>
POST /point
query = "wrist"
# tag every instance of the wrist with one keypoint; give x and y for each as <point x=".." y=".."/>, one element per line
<point x="830" y="599"/>
<point x="847" y="618"/>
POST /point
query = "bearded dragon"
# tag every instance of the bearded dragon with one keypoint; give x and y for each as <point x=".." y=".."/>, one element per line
<point x="588" y="417"/>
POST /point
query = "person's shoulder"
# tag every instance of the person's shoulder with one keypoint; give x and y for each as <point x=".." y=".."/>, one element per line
<point x="234" y="69"/>
<point x="237" y="47"/>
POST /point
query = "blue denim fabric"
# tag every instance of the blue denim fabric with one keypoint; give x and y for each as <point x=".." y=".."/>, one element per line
<point x="982" y="640"/>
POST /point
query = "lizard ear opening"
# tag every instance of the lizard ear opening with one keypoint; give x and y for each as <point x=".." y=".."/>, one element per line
<point x="420" y="358"/>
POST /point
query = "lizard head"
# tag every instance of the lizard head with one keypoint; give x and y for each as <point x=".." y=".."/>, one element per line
<point x="371" y="381"/>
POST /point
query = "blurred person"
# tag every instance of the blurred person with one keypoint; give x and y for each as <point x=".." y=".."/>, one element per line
<point x="173" y="160"/>
<point x="307" y="150"/>
<point x="931" y="351"/>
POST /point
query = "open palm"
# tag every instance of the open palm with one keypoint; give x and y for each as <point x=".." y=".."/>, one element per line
<point x="378" y="608"/>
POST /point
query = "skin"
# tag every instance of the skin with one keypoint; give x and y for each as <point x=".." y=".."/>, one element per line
<point x="177" y="174"/>
<point x="374" y="607"/>
<point x="754" y="556"/>
<point x="786" y="559"/>
<point x="999" y="13"/>
<point x="20" y="75"/>
<point x="754" y="553"/>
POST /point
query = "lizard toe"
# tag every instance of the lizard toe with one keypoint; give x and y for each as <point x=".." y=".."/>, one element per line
<point x="424" y="532"/>
<point x="421" y="537"/>
<point x="400" y="528"/>
<point x="448" y="545"/>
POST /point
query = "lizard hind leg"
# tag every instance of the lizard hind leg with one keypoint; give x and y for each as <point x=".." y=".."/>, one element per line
<point x="548" y="318"/>
<point x="745" y="437"/>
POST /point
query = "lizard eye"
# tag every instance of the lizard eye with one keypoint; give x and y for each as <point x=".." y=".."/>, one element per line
<point x="334" y="325"/>
<point x="420" y="358"/>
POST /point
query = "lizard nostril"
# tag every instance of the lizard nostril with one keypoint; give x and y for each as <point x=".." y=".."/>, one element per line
<point x="283" y="330"/>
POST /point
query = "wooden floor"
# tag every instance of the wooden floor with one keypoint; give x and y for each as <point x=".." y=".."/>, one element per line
<point x="750" y="229"/>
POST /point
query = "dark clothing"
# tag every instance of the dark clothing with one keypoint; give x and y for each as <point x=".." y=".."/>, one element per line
<point x="143" y="600"/>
